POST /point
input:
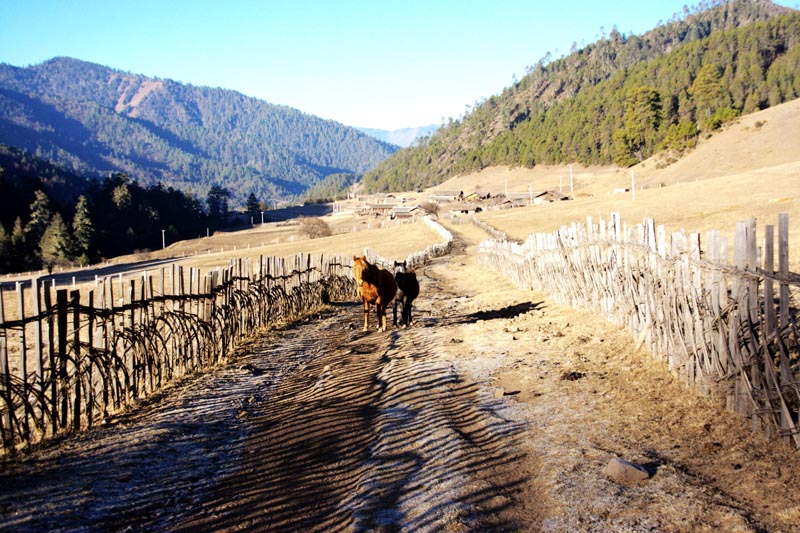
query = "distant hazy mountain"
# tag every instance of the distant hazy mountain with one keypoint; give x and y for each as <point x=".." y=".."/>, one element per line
<point x="96" y="120"/>
<point x="403" y="137"/>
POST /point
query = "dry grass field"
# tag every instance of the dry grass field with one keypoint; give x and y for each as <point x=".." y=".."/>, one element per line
<point x="391" y="240"/>
<point x="351" y="235"/>
<point x="750" y="169"/>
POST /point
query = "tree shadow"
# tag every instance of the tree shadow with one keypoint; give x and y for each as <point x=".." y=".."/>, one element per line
<point x="510" y="311"/>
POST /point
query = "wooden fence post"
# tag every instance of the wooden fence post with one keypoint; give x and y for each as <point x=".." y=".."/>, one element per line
<point x="769" y="295"/>
<point x="89" y="370"/>
<point x="6" y="428"/>
<point x="23" y="361"/>
<point x="51" y="359"/>
<point x="60" y="407"/>
<point x="75" y="301"/>
<point x="38" y="377"/>
<point x="783" y="268"/>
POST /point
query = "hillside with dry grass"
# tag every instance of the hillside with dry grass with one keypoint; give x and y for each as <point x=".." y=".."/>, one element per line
<point x="749" y="169"/>
<point x="619" y="100"/>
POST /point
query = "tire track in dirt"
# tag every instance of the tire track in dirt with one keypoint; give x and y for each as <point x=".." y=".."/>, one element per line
<point x="376" y="433"/>
<point x="153" y="466"/>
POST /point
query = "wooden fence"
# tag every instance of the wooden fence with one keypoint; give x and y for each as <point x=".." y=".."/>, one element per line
<point x="729" y="330"/>
<point x="417" y="259"/>
<point x="68" y="360"/>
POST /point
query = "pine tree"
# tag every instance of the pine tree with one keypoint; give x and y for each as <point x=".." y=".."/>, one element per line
<point x="709" y="95"/>
<point x="82" y="232"/>
<point x="217" y="202"/>
<point x="681" y="136"/>
<point x="252" y="206"/>
<point x="18" y="254"/>
<point x="642" y="119"/>
<point x="41" y="214"/>
<point x="5" y="249"/>
<point x="54" y="247"/>
<point x="18" y="234"/>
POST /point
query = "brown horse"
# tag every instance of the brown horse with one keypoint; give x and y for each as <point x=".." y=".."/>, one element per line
<point x="407" y="291"/>
<point x="376" y="286"/>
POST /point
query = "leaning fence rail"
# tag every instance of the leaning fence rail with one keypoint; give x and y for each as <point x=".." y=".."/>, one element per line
<point x="69" y="358"/>
<point x="729" y="330"/>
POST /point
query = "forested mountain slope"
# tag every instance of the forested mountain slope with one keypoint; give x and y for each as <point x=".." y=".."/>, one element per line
<point x="96" y="120"/>
<point x="21" y="175"/>
<point x="621" y="99"/>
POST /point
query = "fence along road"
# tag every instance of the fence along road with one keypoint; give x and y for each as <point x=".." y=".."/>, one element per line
<point x="74" y="359"/>
<point x="728" y="330"/>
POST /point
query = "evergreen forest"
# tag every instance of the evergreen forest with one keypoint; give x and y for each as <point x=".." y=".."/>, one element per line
<point x="333" y="187"/>
<point x="52" y="217"/>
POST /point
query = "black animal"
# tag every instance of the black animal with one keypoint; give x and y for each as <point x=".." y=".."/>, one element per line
<point x="407" y="291"/>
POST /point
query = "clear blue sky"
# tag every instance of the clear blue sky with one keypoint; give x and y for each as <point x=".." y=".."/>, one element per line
<point x="383" y="64"/>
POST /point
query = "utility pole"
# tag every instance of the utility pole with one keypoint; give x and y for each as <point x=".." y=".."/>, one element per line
<point x="163" y="240"/>
<point x="570" y="178"/>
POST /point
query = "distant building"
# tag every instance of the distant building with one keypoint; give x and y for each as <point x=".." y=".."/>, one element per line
<point x="549" y="196"/>
<point x="445" y="196"/>
<point x="472" y="197"/>
<point x="380" y="199"/>
<point x="514" y="199"/>
<point x="380" y="209"/>
<point x="405" y="211"/>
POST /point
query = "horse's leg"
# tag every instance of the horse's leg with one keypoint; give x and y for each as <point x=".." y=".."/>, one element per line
<point x="381" y="307"/>
<point x="407" y="313"/>
<point x="394" y="317"/>
<point x="366" y="316"/>
<point x="383" y="317"/>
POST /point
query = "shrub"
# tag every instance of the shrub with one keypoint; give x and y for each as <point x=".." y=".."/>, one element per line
<point x="313" y="227"/>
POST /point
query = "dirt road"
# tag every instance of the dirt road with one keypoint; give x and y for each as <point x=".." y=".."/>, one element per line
<point x="496" y="411"/>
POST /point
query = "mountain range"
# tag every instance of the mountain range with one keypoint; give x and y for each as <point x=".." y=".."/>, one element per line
<point x="402" y="137"/>
<point x="618" y="100"/>
<point x="96" y="121"/>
